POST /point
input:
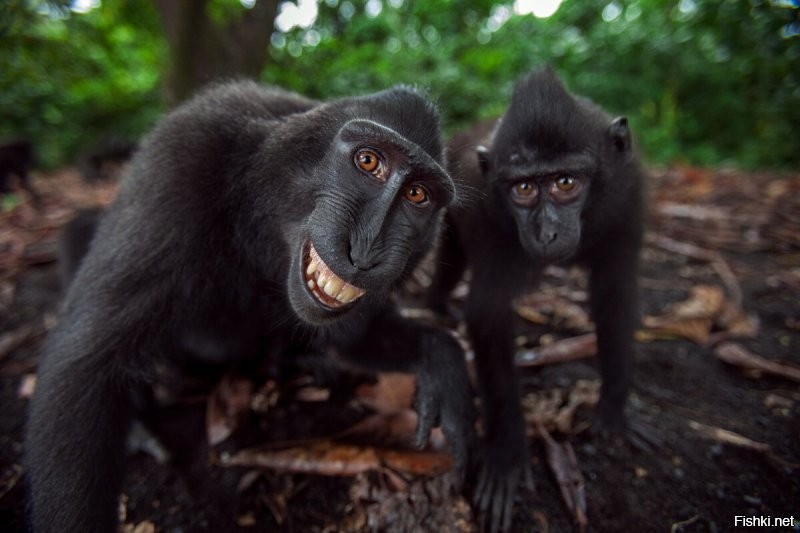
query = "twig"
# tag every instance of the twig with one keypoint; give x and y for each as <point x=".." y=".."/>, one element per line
<point x="571" y="349"/>
<point x="716" y="260"/>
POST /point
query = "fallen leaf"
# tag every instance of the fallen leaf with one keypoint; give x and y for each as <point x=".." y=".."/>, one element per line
<point x="704" y="311"/>
<point x="395" y="428"/>
<point x="331" y="458"/>
<point x="546" y="308"/>
<point x="728" y="437"/>
<point x="562" y="462"/>
<point x="737" y="355"/>
<point x="227" y="403"/>
<point x="573" y="348"/>
<point x="27" y="386"/>
<point x="392" y="392"/>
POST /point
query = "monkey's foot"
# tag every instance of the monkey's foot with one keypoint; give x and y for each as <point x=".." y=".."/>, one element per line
<point x="496" y="488"/>
<point x="631" y="429"/>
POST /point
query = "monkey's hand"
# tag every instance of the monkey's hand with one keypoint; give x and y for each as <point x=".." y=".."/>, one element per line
<point x="505" y="465"/>
<point x="613" y="424"/>
<point x="443" y="398"/>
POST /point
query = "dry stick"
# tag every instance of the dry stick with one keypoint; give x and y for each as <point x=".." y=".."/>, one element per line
<point x="580" y="347"/>
<point x="695" y="252"/>
<point x="737" y="355"/>
<point x="12" y="340"/>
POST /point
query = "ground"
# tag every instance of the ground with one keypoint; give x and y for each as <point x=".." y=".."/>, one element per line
<point x="721" y="278"/>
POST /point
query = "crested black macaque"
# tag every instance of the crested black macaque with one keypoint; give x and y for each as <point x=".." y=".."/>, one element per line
<point x="17" y="159"/>
<point x="74" y="241"/>
<point x="557" y="181"/>
<point x="250" y="217"/>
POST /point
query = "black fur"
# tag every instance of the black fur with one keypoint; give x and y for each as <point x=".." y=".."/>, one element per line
<point x="17" y="159"/>
<point x="202" y="256"/>
<point x="546" y="134"/>
<point x="73" y="243"/>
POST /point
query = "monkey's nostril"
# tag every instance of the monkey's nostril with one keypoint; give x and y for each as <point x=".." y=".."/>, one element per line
<point x="552" y="238"/>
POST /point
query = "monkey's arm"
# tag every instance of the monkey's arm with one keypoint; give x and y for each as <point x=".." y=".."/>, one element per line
<point x="443" y="395"/>
<point x="614" y="301"/>
<point x="489" y="321"/>
<point x="75" y="442"/>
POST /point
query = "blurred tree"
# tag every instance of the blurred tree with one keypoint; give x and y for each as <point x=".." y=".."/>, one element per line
<point x="703" y="81"/>
<point x="214" y="39"/>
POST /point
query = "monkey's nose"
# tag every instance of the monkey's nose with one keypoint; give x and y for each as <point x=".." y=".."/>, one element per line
<point x="360" y="261"/>
<point x="547" y="237"/>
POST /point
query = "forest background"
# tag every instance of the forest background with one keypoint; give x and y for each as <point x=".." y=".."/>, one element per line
<point x="704" y="82"/>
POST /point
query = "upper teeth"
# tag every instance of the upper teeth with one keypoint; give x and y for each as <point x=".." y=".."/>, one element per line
<point x="320" y="276"/>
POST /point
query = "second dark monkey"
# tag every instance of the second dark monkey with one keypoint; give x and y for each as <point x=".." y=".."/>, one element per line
<point x="556" y="180"/>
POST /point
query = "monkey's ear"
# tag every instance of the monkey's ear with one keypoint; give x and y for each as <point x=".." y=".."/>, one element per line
<point x="483" y="158"/>
<point x="620" y="134"/>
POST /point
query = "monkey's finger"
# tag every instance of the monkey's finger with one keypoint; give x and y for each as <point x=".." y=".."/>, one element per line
<point x="427" y="408"/>
<point x="509" y="488"/>
<point x="460" y="453"/>
<point x="529" y="484"/>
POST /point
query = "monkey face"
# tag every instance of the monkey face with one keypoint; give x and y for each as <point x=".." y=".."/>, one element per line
<point x="377" y="205"/>
<point x="547" y="210"/>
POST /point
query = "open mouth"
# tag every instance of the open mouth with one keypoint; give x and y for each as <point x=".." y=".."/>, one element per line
<point x="328" y="288"/>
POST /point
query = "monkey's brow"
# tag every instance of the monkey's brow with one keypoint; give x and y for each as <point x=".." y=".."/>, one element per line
<point x="581" y="164"/>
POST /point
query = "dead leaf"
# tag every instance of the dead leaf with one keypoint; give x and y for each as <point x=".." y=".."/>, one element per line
<point x="313" y="394"/>
<point x="553" y="410"/>
<point x="571" y="349"/>
<point x="331" y="458"/>
<point x="11" y="340"/>
<point x="326" y="458"/>
<point x="246" y="520"/>
<point x="728" y="437"/>
<point x="562" y="462"/>
<point x="227" y="403"/>
<point x="737" y="355"/>
<point x="392" y="392"/>
<point x="27" y="386"/>
<point x="424" y="504"/>
<point x="703" y="312"/>
<point x="548" y="308"/>
<point x="383" y="429"/>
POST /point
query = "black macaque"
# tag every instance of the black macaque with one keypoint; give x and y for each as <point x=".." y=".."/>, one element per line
<point x="17" y="159"/>
<point x="556" y="180"/>
<point x="106" y="159"/>
<point x="250" y="218"/>
<point x="74" y="241"/>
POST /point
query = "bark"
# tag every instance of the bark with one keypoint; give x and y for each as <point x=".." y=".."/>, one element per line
<point x="202" y="51"/>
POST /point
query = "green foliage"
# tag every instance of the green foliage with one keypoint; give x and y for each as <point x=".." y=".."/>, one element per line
<point x="703" y="81"/>
<point x="69" y="80"/>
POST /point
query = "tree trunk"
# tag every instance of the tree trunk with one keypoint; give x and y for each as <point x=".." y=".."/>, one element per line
<point x="202" y="51"/>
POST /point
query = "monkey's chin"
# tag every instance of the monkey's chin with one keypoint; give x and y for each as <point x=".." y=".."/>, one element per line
<point x="324" y="295"/>
<point x="551" y="255"/>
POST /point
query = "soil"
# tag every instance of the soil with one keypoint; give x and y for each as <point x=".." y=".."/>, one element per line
<point x="697" y="478"/>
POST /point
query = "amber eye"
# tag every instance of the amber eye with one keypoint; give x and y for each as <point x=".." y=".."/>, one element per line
<point x="368" y="161"/>
<point x="565" y="183"/>
<point x="416" y="194"/>
<point x="524" y="189"/>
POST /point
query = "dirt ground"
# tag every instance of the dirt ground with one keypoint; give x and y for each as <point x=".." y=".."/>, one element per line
<point x="717" y="380"/>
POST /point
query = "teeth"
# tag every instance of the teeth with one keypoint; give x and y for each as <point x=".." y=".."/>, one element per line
<point x="312" y="267"/>
<point x="320" y="278"/>
<point x="333" y="287"/>
<point x="347" y="294"/>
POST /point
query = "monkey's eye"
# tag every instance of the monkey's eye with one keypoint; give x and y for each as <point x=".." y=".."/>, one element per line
<point x="368" y="161"/>
<point x="416" y="194"/>
<point x="523" y="189"/>
<point x="524" y="192"/>
<point x="565" y="183"/>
